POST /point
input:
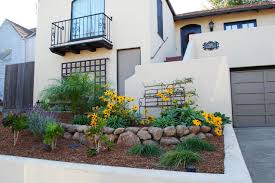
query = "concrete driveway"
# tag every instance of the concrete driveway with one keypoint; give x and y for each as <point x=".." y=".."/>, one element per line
<point x="258" y="149"/>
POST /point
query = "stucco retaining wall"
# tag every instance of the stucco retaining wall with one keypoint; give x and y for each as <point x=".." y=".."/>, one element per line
<point x="26" y="170"/>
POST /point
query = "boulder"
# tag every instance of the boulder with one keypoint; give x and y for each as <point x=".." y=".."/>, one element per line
<point x="70" y="128"/>
<point x="128" y="139"/>
<point x="205" y="129"/>
<point x="169" y="141"/>
<point x="201" y="135"/>
<point x="156" y="133"/>
<point x="108" y="130"/>
<point x="119" y="131"/>
<point x="209" y="135"/>
<point x="192" y="135"/>
<point x="112" y="137"/>
<point x="144" y="128"/>
<point x="82" y="128"/>
<point x="169" y="131"/>
<point x="150" y="142"/>
<point x="132" y="129"/>
<point x="76" y="136"/>
<point x="182" y="130"/>
<point x="67" y="135"/>
<point x="194" y="129"/>
<point x="144" y="135"/>
<point x="82" y="138"/>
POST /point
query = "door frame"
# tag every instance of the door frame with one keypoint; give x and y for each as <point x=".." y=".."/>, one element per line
<point x="124" y="49"/>
<point x="189" y="26"/>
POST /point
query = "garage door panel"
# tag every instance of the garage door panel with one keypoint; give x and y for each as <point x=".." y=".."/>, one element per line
<point x="249" y="110"/>
<point x="271" y="120"/>
<point x="245" y="76"/>
<point x="249" y="99"/>
<point x="271" y="98"/>
<point x="270" y="75"/>
<point x="248" y="88"/>
<point x="270" y="87"/>
<point x="244" y="121"/>
<point x="271" y="109"/>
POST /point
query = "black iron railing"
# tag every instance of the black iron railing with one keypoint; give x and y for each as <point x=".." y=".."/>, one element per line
<point x="81" y="28"/>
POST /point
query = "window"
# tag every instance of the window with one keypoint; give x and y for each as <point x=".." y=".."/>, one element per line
<point x="160" y="18"/>
<point x="240" y="25"/>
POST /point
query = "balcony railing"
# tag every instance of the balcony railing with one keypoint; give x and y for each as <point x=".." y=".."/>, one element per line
<point x="97" y="26"/>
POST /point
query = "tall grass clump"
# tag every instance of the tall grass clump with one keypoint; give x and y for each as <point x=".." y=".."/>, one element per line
<point x="196" y="145"/>
<point x="145" y="150"/>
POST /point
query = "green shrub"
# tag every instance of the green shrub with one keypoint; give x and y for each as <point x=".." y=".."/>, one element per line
<point x="78" y="90"/>
<point x="165" y="121"/>
<point x="145" y="150"/>
<point x="117" y="122"/>
<point x="52" y="132"/>
<point x="177" y="159"/>
<point x="195" y="144"/>
<point x="81" y="120"/>
<point x="17" y="123"/>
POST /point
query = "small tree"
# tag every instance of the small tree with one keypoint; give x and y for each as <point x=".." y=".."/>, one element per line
<point x="79" y="90"/>
<point x="52" y="132"/>
<point x="230" y="3"/>
<point x="17" y="123"/>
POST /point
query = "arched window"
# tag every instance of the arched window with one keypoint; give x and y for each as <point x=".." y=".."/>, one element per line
<point x="88" y="18"/>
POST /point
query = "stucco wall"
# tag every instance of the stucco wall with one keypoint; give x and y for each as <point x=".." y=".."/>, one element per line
<point x="130" y="28"/>
<point x="263" y="18"/>
<point x="243" y="48"/>
<point x="211" y="81"/>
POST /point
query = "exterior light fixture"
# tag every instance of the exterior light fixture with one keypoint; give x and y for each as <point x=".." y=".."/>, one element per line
<point x="211" y="25"/>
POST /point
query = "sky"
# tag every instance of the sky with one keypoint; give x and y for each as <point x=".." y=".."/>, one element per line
<point x="24" y="12"/>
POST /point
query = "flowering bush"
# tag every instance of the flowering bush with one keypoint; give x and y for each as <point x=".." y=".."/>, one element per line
<point x="117" y="112"/>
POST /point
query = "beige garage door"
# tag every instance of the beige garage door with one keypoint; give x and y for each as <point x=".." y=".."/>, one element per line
<point x="253" y="97"/>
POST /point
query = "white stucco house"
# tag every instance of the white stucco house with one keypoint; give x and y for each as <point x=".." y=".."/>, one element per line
<point x="17" y="45"/>
<point x="229" y="52"/>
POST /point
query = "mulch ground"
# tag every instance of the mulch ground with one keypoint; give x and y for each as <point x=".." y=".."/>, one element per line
<point x="30" y="146"/>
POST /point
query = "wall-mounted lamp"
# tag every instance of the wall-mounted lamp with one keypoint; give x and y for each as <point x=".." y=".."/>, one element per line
<point x="211" y="26"/>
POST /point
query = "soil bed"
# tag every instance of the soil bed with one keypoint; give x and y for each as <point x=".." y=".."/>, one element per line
<point x="29" y="146"/>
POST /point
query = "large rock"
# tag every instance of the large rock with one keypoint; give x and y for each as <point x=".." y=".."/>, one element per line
<point x="205" y="129"/>
<point x="132" y="129"/>
<point x="70" y="128"/>
<point x="169" y="141"/>
<point x="192" y="135"/>
<point x="144" y="135"/>
<point x="128" y="139"/>
<point x="182" y="130"/>
<point x="201" y="135"/>
<point x="119" y="131"/>
<point x="108" y="130"/>
<point x="76" y="136"/>
<point x="112" y="137"/>
<point x="67" y="135"/>
<point x="209" y="135"/>
<point x="82" y="128"/>
<point x="144" y="128"/>
<point x="156" y="133"/>
<point x="169" y="131"/>
<point x="150" y="142"/>
<point x="82" y="138"/>
<point x="195" y="129"/>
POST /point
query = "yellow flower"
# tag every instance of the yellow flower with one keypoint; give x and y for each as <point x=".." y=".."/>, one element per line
<point x="93" y="123"/>
<point x="142" y="122"/>
<point x="165" y="99"/>
<point x="108" y="93"/>
<point x="107" y="85"/>
<point x="135" y="108"/>
<point x="218" y="131"/>
<point x="130" y="99"/>
<point x="197" y="122"/>
<point x="93" y="116"/>
<point x="110" y="106"/>
<point x="159" y="94"/>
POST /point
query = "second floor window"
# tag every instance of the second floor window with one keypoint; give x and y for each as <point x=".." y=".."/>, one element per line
<point x="160" y="18"/>
<point x="88" y="18"/>
<point x="240" y="25"/>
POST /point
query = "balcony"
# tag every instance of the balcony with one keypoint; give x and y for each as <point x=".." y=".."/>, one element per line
<point x="83" y="33"/>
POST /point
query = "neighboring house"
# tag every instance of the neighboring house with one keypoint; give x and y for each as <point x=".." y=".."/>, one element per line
<point x="16" y="46"/>
<point x="108" y="39"/>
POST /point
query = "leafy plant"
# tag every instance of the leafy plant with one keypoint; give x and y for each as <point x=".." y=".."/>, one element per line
<point x="81" y="120"/>
<point x="38" y="120"/>
<point x="17" y="123"/>
<point x="81" y="92"/>
<point x="230" y="3"/>
<point x="165" y="121"/>
<point x="52" y="132"/>
<point x="179" y="158"/>
<point x="117" y="122"/>
<point x="92" y="152"/>
<point x="196" y="145"/>
<point x="95" y="133"/>
<point x="225" y="119"/>
<point x="145" y="150"/>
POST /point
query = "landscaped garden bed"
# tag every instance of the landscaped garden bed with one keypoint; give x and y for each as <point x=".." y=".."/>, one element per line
<point x="107" y="129"/>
